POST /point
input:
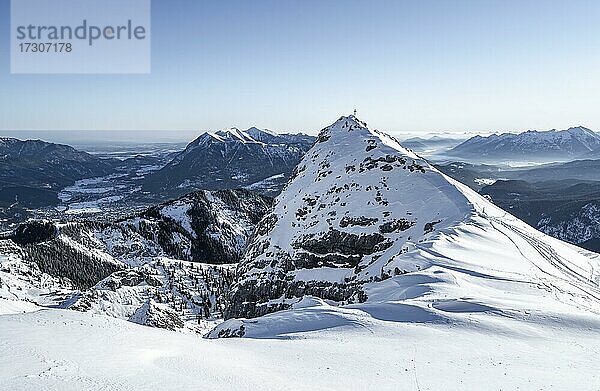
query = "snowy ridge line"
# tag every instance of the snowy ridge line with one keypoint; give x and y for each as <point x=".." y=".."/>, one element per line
<point x="403" y="236"/>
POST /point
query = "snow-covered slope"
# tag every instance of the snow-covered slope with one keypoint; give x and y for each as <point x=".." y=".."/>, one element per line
<point x="137" y="282"/>
<point x="374" y="271"/>
<point x="371" y="228"/>
<point x="531" y="145"/>
<point x="65" y="350"/>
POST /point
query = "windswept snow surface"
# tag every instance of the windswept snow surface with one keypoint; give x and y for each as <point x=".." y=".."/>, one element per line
<point x="65" y="350"/>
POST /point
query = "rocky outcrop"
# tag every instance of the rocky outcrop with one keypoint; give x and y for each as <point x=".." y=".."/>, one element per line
<point x="157" y="315"/>
<point x="130" y="278"/>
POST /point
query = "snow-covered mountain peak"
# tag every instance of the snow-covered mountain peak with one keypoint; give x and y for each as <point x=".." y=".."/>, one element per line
<point x="367" y="222"/>
<point x="355" y="203"/>
<point x="580" y="131"/>
<point x="223" y="136"/>
<point x="260" y="134"/>
<point x="206" y="138"/>
<point x="235" y="134"/>
<point x="348" y="132"/>
<point x="232" y="158"/>
<point x="252" y="135"/>
<point x="344" y="125"/>
<point x="569" y="139"/>
<point x="229" y="135"/>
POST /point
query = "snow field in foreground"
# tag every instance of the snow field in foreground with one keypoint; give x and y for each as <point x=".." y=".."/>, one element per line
<point x="66" y="350"/>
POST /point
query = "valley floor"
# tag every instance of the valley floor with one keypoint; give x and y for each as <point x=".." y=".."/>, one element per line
<point x="66" y="350"/>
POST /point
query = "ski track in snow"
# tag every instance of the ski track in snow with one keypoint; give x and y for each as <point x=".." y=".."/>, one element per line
<point x="552" y="257"/>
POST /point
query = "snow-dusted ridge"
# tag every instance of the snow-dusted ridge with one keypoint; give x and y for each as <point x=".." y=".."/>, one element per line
<point x="411" y="245"/>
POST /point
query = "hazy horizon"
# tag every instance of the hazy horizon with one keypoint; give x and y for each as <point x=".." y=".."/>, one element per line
<point x="183" y="136"/>
<point x="178" y="135"/>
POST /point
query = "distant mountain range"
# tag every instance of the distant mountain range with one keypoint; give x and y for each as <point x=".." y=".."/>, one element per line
<point x="577" y="142"/>
<point x="477" y="176"/>
<point x="34" y="171"/>
<point x="430" y="145"/>
<point x="560" y="199"/>
<point x="254" y="158"/>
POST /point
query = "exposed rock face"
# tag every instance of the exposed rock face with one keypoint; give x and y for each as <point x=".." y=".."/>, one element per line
<point x="345" y="243"/>
<point x="355" y="202"/>
<point x="130" y="278"/>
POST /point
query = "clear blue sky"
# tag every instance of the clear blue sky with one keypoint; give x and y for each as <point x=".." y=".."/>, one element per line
<point x="297" y="65"/>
